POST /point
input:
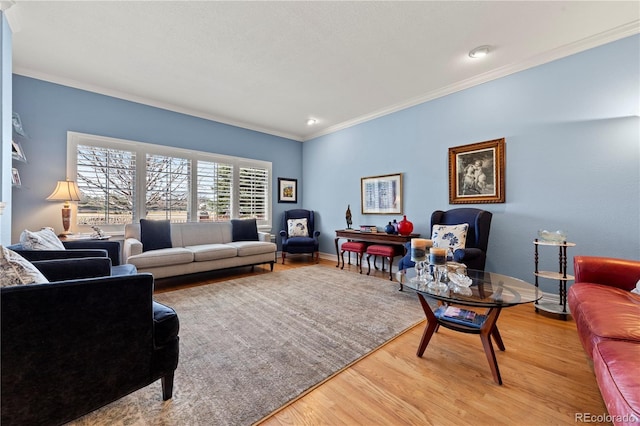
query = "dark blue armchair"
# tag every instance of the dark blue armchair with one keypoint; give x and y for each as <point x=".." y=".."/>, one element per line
<point x="298" y="237"/>
<point x="474" y="255"/>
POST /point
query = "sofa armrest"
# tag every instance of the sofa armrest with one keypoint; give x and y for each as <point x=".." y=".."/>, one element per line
<point x="36" y="255"/>
<point x="112" y="247"/>
<point x="620" y="273"/>
<point x="132" y="247"/>
<point x="264" y="236"/>
<point x="71" y="269"/>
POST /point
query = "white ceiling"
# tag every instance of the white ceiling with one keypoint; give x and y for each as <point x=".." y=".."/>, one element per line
<point x="269" y="66"/>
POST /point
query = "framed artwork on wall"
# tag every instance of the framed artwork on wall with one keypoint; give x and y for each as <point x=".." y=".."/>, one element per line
<point x="287" y="190"/>
<point x="381" y="194"/>
<point x="17" y="152"/>
<point x="476" y="173"/>
<point x="15" y="177"/>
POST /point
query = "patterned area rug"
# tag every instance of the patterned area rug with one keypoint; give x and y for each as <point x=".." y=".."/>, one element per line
<point x="250" y="345"/>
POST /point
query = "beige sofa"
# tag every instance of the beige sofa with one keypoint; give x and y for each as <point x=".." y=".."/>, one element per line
<point x="197" y="247"/>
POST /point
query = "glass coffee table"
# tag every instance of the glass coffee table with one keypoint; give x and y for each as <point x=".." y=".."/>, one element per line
<point x="486" y="292"/>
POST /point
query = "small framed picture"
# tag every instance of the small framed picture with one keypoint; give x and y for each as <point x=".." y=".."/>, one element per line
<point x="17" y="152"/>
<point x="15" y="177"/>
<point x="287" y="190"/>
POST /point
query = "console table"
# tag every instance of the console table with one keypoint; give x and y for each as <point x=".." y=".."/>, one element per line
<point x="372" y="237"/>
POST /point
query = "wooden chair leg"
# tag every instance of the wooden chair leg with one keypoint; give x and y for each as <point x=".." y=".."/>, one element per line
<point x="359" y="260"/>
<point x="342" y="256"/>
<point x="369" y="264"/>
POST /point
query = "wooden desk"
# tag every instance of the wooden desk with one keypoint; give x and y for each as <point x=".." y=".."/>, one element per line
<point x="372" y="237"/>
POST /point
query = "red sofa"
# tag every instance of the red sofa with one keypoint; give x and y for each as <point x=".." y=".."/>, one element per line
<point x="607" y="316"/>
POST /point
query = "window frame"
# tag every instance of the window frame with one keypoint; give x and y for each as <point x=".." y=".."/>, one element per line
<point x="141" y="149"/>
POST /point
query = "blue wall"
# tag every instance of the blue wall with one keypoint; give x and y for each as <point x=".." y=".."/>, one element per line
<point x="49" y="110"/>
<point x="572" y="136"/>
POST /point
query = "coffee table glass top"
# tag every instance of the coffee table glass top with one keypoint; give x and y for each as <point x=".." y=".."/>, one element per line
<point x="486" y="289"/>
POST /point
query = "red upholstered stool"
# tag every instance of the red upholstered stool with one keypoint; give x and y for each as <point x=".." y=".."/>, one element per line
<point x="356" y="247"/>
<point x="388" y="252"/>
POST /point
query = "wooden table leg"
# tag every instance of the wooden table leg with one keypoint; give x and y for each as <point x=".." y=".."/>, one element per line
<point x="337" y="253"/>
<point x="486" y="331"/>
<point x="430" y="328"/>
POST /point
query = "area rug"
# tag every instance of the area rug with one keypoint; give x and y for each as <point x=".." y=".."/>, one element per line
<point x="250" y="345"/>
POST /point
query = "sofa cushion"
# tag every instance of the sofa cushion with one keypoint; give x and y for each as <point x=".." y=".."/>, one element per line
<point x="165" y="324"/>
<point x="16" y="270"/>
<point x="616" y="364"/>
<point x="45" y="239"/>
<point x="250" y="248"/>
<point x="205" y="252"/>
<point x="604" y="312"/>
<point x="161" y="257"/>
<point x="155" y="234"/>
<point x="244" y="230"/>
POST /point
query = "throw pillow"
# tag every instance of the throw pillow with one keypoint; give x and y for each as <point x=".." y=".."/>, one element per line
<point x="16" y="270"/>
<point x="155" y="234"/>
<point x="450" y="236"/>
<point x="297" y="227"/>
<point x="45" y="239"/>
<point x="244" y="230"/>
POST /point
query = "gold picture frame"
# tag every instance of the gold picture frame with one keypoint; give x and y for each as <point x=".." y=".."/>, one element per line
<point x="381" y="194"/>
<point x="476" y="173"/>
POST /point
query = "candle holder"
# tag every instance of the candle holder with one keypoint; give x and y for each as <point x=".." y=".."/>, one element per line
<point x="438" y="263"/>
<point x="419" y="256"/>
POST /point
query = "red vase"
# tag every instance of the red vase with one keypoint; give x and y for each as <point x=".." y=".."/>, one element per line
<point x="405" y="227"/>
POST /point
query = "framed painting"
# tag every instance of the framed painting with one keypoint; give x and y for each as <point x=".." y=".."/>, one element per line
<point x="476" y="173"/>
<point x="381" y="194"/>
<point x="287" y="190"/>
<point x="15" y="177"/>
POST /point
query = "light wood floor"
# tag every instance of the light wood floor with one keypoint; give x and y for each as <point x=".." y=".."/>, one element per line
<point x="547" y="379"/>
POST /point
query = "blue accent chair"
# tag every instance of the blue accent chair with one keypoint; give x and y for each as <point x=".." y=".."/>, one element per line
<point x="298" y="245"/>
<point x="474" y="255"/>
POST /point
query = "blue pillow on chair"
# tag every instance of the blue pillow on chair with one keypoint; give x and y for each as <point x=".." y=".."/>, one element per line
<point x="155" y="234"/>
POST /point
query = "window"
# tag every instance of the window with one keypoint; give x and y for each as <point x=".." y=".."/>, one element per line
<point x="119" y="188"/>
<point x="106" y="179"/>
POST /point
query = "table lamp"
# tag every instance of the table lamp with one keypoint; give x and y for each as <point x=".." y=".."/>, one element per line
<point x="66" y="190"/>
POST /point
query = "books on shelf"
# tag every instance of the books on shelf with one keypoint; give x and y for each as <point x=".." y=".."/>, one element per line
<point x="460" y="316"/>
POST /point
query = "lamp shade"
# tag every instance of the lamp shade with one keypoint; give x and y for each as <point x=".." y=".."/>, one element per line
<point x="66" y="190"/>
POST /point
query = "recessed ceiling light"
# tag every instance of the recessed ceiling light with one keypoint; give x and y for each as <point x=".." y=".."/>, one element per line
<point x="480" y="52"/>
<point x="311" y="121"/>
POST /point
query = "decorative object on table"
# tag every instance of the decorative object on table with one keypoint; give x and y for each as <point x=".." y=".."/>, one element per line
<point x="419" y="256"/>
<point x="17" y="152"/>
<point x="405" y="227"/>
<point x="347" y="216"/>
<point x="66" y="190"/>
<point x="477" y="173"/>
<point x="438" y="266"/>
<point x="368" y="228"/>
<point x="552" y="237"/>
<point x="381" y="194"/>
<point x="287" y="190"/>
<point x="390" y="229"/>
<point x="97" y="233"/>
<point x="395" y="225"/>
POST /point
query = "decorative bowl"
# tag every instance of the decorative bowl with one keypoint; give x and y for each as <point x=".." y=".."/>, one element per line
<point x="553" y="237"/>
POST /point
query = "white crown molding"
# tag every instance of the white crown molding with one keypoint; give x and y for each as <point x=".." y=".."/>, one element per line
<point x="147" y="101"/>
<point x="618" y="33"/>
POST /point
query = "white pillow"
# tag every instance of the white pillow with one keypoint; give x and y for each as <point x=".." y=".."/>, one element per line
<point x="450" y="236"/>
<point x="297" y="227"/>
<point x="16" y="270"/>
<point x="45" y="239"/>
